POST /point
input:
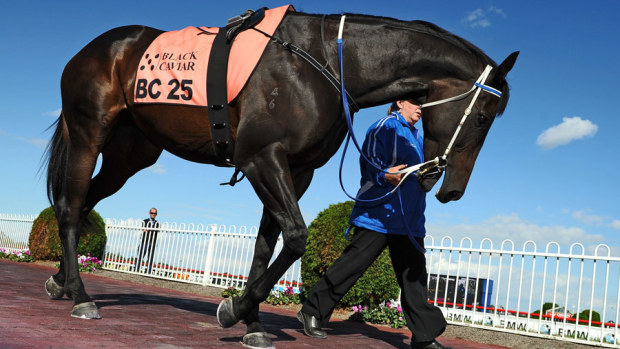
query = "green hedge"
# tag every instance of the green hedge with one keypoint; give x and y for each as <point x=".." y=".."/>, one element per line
<point x="44" y="242"/>
<point x="325" y="244"/>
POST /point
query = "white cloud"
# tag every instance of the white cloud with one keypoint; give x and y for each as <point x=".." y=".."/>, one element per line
<point x="481" y="18"/>
<point x="512" y="227"/>
<point x="587" y="218"/>
<point x="569" y="130"/>
<point x="158" y="168"/>
<point x="39" y="143"/>
<point x="477" y="18"/>
<point x="498" y="11"/>
<point x="54" y="113"/>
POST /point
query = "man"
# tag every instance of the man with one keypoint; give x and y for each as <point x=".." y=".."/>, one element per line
<point x="149" y="239"/>
<point x="396" y="221"/>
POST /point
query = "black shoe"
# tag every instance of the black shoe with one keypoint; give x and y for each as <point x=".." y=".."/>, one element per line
<point x="428" y="345"/>
<point x="312" y="326"/>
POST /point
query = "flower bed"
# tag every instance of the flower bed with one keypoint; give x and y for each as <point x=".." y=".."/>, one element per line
<point x="388" y="313"/>
<point x="17" y="256"/>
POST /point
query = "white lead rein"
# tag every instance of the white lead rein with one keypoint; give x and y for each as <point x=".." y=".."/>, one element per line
<point x="478" y="86"/>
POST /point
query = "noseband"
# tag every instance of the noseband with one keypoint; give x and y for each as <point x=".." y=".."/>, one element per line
<point x="438" y="164"/>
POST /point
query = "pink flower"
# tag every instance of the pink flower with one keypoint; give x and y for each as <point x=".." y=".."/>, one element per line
<point x="398" y="308"/>
<point x="387" y="304"/>
<point x="400" y="318"/>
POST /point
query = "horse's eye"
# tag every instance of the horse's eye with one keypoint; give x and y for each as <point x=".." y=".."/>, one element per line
<point x="482" y="119"/>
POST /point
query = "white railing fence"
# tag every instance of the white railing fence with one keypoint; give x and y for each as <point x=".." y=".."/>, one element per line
<point x="207" y="255"/>
<point x="498" y="288"/>
<point x="15" y="231"/>
<point x="505" y="289"/>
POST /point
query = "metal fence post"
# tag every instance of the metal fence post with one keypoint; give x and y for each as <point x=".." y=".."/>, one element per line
<point x="209" y="261"/>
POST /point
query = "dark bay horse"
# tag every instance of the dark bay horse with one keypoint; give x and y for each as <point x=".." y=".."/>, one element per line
<point x="279" y="139"/>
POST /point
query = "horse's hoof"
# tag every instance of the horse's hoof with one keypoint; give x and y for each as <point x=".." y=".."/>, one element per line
<point x="257" y="340"/>
<point x="54" y="290"/>
<point x="225" y="315"/>
<point x="86" y="310"/>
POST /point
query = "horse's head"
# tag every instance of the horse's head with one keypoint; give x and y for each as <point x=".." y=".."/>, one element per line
<point x="441" y="121"/>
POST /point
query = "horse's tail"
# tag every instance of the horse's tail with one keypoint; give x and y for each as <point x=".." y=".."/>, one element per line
<point x="57" y="154"/>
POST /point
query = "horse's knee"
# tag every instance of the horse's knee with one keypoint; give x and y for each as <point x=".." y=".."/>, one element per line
<point x="296" y="243"/>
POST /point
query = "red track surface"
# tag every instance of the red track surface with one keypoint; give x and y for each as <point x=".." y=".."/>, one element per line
<point x="140" y="316"/>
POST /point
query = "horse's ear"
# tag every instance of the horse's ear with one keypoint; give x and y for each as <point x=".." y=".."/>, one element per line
<point x="507" y="65"/>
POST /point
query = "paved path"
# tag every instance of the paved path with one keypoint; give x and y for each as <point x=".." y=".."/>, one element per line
<point x="140" y="316"/>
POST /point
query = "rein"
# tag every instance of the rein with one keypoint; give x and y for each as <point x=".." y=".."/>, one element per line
<point x="438" y="163"/>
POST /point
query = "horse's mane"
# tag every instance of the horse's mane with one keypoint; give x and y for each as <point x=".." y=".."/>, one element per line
<point x="427" y="28"/>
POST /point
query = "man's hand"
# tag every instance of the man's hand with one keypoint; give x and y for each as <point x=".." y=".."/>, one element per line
<point x="394" y="179"/>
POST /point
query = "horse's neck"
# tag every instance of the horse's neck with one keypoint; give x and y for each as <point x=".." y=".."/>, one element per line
<point x="386" y="59"/>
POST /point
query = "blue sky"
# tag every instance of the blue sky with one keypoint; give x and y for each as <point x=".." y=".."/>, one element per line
<point x="547" y="172"/>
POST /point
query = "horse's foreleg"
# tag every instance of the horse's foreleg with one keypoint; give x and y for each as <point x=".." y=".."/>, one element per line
<point x="272" y="181"/>
<point x="266" y="240"/>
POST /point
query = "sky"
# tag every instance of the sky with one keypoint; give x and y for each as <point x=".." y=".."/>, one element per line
<point x="548" y="170"/>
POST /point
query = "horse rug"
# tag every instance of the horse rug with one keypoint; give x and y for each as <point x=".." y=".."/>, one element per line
<point x="173" y="69"/>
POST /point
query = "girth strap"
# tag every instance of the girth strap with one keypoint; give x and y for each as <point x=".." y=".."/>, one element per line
<point x="217" y="90"/>
<point x="219" y="117"/>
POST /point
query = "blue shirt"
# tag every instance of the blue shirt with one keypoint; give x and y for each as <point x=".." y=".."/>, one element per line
<point x="389" y="142"/>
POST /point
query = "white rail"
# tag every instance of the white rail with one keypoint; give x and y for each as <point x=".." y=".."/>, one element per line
<point x="15" y="231"/>
<point x="505" y="289"/>
<point x="207" y="255"/>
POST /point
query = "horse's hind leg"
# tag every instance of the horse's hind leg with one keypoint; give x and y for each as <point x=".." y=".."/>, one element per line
<point x="69" y="205"/>
<point x="126" y="152"/>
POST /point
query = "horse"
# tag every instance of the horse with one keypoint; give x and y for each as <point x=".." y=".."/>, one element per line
<point x="280" y="139"/>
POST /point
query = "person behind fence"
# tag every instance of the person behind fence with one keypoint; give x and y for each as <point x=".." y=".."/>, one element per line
<point x="396" y="221"/>
<point x="149" y="239"/>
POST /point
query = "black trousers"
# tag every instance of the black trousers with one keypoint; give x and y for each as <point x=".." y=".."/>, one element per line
<point x="425" y="321"/>
<point x="147" y="248"/>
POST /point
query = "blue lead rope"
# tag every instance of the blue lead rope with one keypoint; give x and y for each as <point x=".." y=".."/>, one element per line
<point x="351" y="135"/>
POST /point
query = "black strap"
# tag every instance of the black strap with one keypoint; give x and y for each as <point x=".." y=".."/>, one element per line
<point x="217" y="95"/>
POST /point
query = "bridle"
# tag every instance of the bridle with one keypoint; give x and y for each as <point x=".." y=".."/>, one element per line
<point x="439" y="163"/>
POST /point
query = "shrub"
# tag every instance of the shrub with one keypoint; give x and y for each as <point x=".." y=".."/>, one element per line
<point x="325" y="244"/>
<point x="45" y="244"/>
<point x="585" y="315"/>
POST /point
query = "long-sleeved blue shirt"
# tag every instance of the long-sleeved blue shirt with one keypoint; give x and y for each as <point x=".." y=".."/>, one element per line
<point x="389" y="142"/>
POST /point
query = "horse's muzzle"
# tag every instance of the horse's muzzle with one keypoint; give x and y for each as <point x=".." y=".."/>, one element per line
<point x="452" y="195"/>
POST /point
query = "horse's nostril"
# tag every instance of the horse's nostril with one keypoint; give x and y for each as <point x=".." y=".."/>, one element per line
<point x="454" y="195"/>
